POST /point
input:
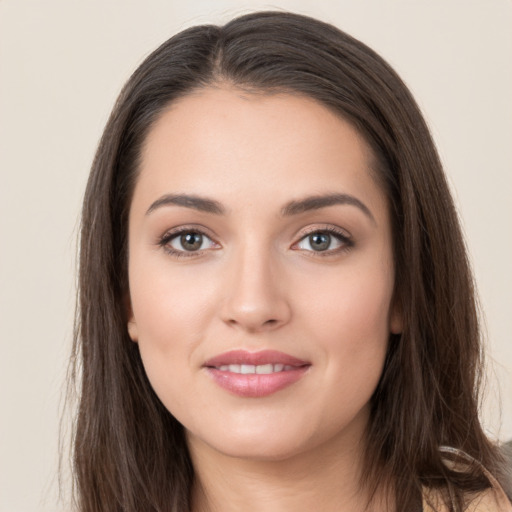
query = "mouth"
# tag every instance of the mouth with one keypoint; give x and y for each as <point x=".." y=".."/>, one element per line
<point x="255" y="374"/>
<point x="260" y="369"/>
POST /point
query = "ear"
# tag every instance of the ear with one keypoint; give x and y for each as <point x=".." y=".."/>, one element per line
<point x="396" y="323"/>
<point x="132" y="329"/>
<point x="131" y="323"/>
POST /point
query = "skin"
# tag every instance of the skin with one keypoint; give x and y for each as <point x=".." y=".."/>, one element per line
<point x="258" y="283"/>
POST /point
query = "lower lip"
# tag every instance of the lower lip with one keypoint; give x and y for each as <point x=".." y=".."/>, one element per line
<point x="254" y="385"/>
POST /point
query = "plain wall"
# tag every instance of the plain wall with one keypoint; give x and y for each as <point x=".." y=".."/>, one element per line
<point x="62" y="63"/>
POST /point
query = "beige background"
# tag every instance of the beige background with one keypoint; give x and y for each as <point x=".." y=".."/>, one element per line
<point x="62" y="63"/>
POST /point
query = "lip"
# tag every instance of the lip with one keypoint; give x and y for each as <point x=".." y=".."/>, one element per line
<point x="255" y="385"/>
<point x="254" y="358"/>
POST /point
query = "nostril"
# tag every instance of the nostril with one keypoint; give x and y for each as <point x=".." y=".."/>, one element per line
<point x="254" y="325"/>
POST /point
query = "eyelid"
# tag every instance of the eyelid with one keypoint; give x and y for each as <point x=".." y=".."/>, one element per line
<point x="340" y="234"/>
<point x="325" y="228"/>
<point x="171" y="234"/>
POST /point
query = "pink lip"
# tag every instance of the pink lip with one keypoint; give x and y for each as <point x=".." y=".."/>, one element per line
<point x="255" y="385"/>
<point x="255" y="358"/>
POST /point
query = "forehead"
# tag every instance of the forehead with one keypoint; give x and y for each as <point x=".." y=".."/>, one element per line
<point x="225" y="142"/>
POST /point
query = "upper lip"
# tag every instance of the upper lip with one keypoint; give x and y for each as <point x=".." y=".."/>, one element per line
<point x="254" y="358"/>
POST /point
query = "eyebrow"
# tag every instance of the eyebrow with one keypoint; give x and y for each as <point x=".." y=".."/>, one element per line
<point x="202" y="204"/>
<point x="205" y="204"/>
<point x="323" y="201"/>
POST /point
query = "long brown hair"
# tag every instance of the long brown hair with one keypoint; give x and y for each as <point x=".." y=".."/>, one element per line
<point x="129" y="451"/>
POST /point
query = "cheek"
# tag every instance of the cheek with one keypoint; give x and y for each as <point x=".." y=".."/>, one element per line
<point x="350" y="322"/>
<point x="170" y="312"/>
<point x="356" y="339"/>
<point x="169" y="304"/>
<point x="351" y="308"/>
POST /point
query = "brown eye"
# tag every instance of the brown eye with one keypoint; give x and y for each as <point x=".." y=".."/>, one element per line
<point x="183" y="242"/>
<point x="188" y="241"/>
<point x="191" y="241"/>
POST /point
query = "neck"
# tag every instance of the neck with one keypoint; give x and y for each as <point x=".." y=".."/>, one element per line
<point x="323" y="478"/>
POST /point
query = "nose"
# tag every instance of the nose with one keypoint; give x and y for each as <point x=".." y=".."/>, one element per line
<point x="255" y="298"/>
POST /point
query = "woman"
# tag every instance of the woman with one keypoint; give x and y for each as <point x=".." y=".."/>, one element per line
<point x="276" y="307"/>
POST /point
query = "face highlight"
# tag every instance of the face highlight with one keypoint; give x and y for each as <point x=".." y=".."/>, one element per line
<point x="260" y="273"/>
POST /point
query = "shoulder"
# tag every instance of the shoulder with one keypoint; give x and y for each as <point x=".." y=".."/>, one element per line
<point x="492" y="499"/>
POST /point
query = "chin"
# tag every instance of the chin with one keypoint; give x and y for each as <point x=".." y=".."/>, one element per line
<point x="258" y="444"/>
<point x="261" y="450"/>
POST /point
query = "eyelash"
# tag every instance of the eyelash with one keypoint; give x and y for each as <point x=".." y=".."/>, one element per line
<point x="341" y="236"/>
<point x="167" y="238"/>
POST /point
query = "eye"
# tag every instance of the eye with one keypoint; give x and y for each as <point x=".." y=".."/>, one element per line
<point x="326" y="240"/>
<point x="190" y="241"/>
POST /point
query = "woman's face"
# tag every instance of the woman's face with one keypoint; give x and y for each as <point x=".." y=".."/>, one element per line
<point x="260" y="273"/>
